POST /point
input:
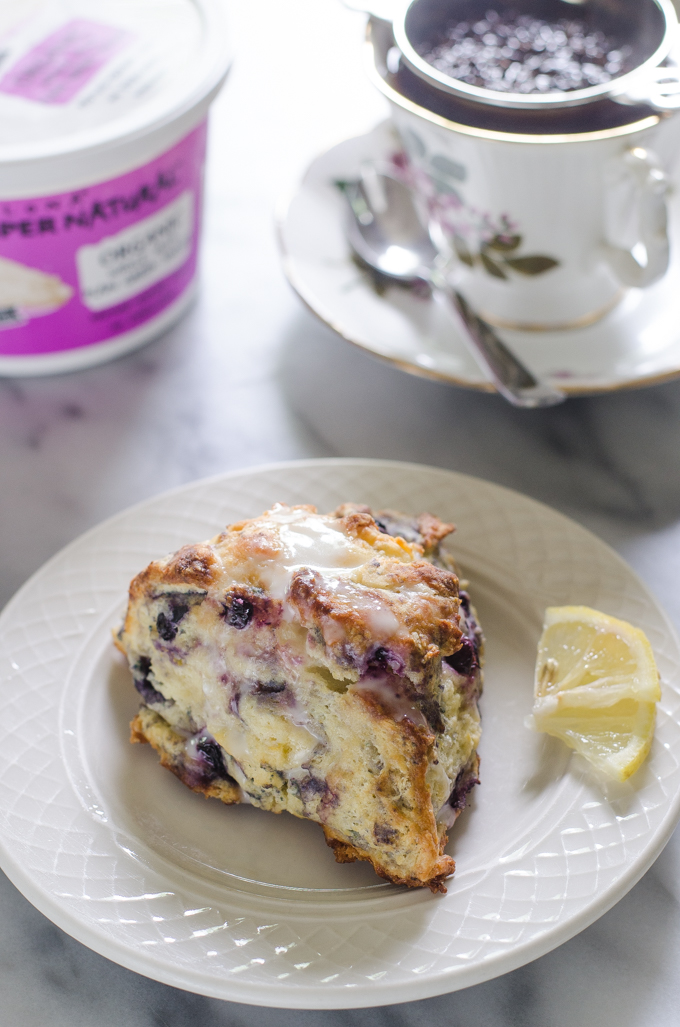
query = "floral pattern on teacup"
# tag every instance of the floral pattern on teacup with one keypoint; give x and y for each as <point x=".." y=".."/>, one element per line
<point x="476" y="238"/>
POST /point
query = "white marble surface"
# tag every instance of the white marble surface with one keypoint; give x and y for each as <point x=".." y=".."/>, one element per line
<point x="250" y="377"/>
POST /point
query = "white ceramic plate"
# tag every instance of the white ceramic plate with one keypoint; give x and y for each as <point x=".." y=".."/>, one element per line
<point x="240" y="904"/>
<point x="637" y="343"/>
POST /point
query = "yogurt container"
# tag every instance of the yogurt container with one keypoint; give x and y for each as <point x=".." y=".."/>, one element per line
<point x="103" y="107"/>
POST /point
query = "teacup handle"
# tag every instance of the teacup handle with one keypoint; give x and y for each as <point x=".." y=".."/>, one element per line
<point x="652" y="214"/>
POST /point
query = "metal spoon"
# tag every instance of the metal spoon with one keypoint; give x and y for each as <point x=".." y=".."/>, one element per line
<point x="385" y="231"/>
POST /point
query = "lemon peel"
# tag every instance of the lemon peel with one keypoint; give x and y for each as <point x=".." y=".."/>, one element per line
<point x="596" y="687"/>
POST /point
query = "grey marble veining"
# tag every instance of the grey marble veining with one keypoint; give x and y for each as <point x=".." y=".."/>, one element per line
<point x="250" y="377"/>
<point x="621" y="971"/>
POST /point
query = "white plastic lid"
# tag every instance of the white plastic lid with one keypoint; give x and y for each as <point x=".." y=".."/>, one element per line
<point x="81" y="74"/>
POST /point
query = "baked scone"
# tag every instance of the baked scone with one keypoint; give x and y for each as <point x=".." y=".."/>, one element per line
<point x="326" y="665"/>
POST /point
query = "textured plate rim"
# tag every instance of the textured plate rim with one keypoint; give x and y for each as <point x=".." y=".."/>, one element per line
<point x="312" y="996"/>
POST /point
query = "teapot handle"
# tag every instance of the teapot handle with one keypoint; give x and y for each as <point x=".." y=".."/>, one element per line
<point x="658" y="88"/>
<point x="651" y="186"/>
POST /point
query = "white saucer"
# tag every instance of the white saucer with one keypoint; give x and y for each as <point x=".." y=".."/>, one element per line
<point x="637" y="344"/>
<point x="242" y="905"/>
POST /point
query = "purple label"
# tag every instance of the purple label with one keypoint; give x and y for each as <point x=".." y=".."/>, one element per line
<point x="58" y="68"/>
<point x="82" y="267"/>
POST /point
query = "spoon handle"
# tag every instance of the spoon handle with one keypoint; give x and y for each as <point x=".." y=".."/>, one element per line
<point x="512" y="379"/>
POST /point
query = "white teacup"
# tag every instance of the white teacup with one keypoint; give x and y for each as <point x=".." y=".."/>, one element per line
<point x="549" y="227"/>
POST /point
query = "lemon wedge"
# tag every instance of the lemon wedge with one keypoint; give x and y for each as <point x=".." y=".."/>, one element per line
<point x="596" y="688"/>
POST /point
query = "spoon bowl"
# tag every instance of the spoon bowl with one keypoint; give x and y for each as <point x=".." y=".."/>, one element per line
<point x="388" y="233"/>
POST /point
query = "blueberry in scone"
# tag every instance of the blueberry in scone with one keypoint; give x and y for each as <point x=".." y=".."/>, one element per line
<point x="327" y="665"/>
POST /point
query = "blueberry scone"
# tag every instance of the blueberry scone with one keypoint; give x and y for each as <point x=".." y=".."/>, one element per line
<point x="323" y="664"/>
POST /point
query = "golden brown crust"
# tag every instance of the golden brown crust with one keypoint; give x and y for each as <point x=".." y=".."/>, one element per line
<point x="356" y="521"/>
<point x="150" y="727"/>
<point x="392" y="579"/>
<point x="345" y="853"/>
<point x="428" y="530"/>
<point x="432" y="530"/>
<point x="191" y="565"/>
<point x="344" y="620"/>
<point x="349" y="508"/>
<point x="320" y="675"/>
<point x="400" y="577"/>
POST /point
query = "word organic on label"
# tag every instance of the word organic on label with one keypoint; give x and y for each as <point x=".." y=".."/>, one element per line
<point x="82" y="267"/>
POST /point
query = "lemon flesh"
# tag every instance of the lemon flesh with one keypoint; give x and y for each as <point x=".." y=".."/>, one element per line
<point x="596" y="688"/>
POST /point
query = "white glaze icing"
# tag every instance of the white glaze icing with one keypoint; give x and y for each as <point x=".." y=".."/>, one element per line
<point x="299" y="716"/>
<point x="380" y="618"/>
<point x="447" y="815"/>
<point x="398" y="705"/>
<point x="192" y="752"/>
<point x="233" y="737"/>
<point x="308" y="541"/>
